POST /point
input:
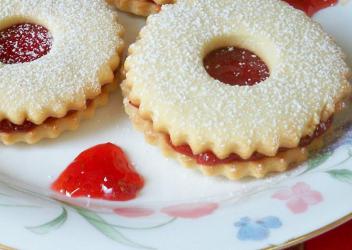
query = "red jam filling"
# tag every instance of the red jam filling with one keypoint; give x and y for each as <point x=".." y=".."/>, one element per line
<point x="236" y="66"/>
<point x="25" y="42"/>
<point x="210" y="159"/>
<point x="8" y="127"/>
<point x="310" y="7"/>
<point x="101" y="172"/>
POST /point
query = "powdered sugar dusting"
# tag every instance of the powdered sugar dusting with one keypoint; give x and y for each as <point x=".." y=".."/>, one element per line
<point x="307" y="78"/>
<point x="84" y="38"/>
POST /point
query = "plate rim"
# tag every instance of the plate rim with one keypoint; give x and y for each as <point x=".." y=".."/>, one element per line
<point x="313" y="234"/>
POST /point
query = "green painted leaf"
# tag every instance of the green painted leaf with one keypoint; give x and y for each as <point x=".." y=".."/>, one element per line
<point x="18" y="205"/>
<point x="317" y="160"/>
<point x="145" y="228"/>
<point x="344" y="175"/>
<point x="104" y="227"/>
<point x="51" y="225"/>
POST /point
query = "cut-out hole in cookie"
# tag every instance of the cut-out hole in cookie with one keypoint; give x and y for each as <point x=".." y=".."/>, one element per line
<point x="24" y="42"/>
<point x="236" y="66"/>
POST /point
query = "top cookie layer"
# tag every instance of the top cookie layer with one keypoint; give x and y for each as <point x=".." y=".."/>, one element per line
<point x="85" y="37"/>
<point x="166" y="76"/>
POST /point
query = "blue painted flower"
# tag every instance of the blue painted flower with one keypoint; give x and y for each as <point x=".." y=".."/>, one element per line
<point x="256" y="230"/>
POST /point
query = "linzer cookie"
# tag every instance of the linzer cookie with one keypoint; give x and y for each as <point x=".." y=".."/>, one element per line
<point x="140" y="7"/>
<point x="234" y="87"/>
<point x="57" y="62"/>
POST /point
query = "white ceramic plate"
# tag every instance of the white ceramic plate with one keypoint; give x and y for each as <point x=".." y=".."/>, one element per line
<point x="178" y="208"/>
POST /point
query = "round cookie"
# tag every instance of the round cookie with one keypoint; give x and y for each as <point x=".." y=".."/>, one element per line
<point x="68" y="81"/>
<point x="168" y="87"/>
<point x="140" y="7"/>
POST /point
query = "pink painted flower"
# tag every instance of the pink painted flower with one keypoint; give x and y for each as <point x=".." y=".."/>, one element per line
<point x="190" y="211"/>
<point x="299" y="197"/>
<point x="133" y="212"/>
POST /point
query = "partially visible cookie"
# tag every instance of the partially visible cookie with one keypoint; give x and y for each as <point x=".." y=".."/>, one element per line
<point x="57" y="61"/>
<point x="140" y="7"/>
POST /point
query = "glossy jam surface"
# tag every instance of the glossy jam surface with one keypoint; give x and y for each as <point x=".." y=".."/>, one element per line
<point x="101" y="172"/>
<point x="236" y="66"/>
<point x="24" y="43"/>
<point x="210" y="159"/>
<point x="310" y="7"/>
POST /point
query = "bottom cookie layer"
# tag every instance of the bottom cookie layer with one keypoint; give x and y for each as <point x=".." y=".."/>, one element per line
<point x="55" y="127"/>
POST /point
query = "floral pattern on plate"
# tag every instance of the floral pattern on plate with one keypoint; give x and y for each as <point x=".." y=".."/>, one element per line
<point x="299" y="197"/>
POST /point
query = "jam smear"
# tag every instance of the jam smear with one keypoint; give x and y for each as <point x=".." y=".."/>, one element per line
<point x="210" y="159"/>
<point x="101" y="172"/>
<point x="25" y="42"/>
<point x="310" y="7"/>
<point x="236" y="66"/>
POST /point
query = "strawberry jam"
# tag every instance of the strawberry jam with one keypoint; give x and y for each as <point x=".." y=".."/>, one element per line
<point x="101" y="172"/>
<point x="310" y="7"/>
<point x="25" y="42"/>
<point x="236" y="66"/>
